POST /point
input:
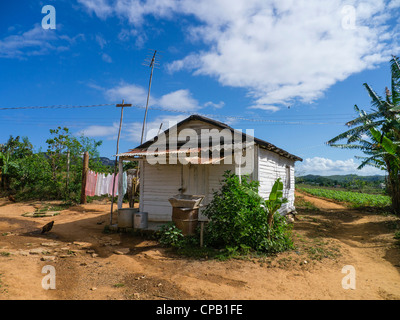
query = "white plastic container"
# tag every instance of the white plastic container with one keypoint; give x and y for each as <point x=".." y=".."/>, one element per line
<point x="125" y="217"/>
<point x="140" y="220"/>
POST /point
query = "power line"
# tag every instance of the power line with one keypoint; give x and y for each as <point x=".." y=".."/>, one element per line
<point x="240" y="118"/>
<point x="57" y="107"/>
<point x="228" y="117"/>
<point x="337" y="115"/>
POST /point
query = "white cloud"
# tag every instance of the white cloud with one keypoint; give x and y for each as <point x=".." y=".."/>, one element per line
<point x="394" y="4"/>
<point x="139" y="37"/>
<point x="279" y="51"/>
<point x="179" y="100"/>
<point x="106" y="58"/>
<point x="101" y="41"/>
<point x="132" y="131"/>
<point x="219" y="105"/>
<point x="34" y="42"/>
<point x="131" y="93"/>
<point x="326" y="167"/>
<point x="265" y="107"/>
<point x="101" y="8"/>
<point x="101" y="131"/>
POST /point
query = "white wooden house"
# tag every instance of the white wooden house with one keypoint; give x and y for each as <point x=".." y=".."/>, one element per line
<point x="159" y="182"/>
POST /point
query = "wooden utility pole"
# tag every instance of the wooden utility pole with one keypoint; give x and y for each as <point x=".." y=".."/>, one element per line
<point x="67" y="180"/>
<point x="152" y="64"/>
<point x="85" y="170"/>
<point x="116" y="156"/>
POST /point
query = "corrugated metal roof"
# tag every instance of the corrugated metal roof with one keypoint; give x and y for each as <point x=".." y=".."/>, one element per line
<point x="142" y="149"/>
<point x="146" y="152"/>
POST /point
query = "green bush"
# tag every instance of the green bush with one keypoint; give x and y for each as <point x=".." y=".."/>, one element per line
<point x="238" y="220"/>
<point x="170" y="236"/>
<point x="43" y="175"/>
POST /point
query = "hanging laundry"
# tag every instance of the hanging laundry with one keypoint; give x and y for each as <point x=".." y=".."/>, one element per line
<point x="99" y="184"/>
<point x="124" y="183"/>
<point x="110" y="181"/>
<point x="91" y="183"/>
<point x="94" y="182"/>
<point x="115" y="186"/>
<point x="104" y="185"/>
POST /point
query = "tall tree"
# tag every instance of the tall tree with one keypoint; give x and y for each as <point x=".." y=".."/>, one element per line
<point x="377" y="134"/>
<point x="64" y="146"/>
<point x="14" y="149"/>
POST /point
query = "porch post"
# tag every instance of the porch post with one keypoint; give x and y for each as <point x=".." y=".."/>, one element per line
<point x="120" y="182"/>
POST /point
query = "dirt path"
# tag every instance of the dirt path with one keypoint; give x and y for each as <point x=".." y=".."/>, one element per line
<point x="367" y="244"/>
<point x="92" y="265"/>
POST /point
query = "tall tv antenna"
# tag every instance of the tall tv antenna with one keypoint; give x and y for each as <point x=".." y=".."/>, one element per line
<point x="152" y="63"/>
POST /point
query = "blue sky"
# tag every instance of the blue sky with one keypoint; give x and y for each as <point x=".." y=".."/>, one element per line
<point x="245" y="59"/>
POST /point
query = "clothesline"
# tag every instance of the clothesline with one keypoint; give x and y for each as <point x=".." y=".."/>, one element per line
<point x="98" y="184"/>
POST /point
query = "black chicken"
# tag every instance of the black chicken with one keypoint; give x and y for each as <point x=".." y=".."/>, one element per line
<point x="47" y="227"/>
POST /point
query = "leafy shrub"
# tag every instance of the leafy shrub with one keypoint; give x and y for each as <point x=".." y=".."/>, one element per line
<point x="170" y="235"/>
<point x="238" y="220"/>
<point x="43" y="175"/>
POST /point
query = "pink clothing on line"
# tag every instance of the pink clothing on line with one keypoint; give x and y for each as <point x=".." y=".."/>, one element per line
<point x="111" y="185"/>
<point x="91" y="183"/>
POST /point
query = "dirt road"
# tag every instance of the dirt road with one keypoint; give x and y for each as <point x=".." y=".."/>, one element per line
<point x="90" y="265"/>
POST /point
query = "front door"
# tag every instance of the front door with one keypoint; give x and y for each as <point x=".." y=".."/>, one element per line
<point x="195" y="182"/>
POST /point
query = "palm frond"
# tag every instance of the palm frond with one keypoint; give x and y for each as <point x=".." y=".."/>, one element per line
<point x="363" y="117"/>
<point x="347" y="146"/>
<point x="371" y="161"/>
<point x="377" y="101"/>
<point x="395" y="70"/>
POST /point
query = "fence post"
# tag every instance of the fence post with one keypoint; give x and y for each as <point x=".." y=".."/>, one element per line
<point x="85" y="169"/>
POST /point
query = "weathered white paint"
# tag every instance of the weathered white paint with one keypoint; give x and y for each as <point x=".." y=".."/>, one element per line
<point x="161" y="182"/>
<point x="271" y="166"/>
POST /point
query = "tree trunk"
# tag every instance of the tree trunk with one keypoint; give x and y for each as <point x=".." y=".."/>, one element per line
<point x="270" y="221"/>
<point x="395" y="194"/>
<point x="393" y="187"/>
<point x="5" y="182"/>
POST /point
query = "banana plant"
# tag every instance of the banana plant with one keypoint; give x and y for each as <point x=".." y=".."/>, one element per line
<point x="377" y="134"/>
<point x="273" y="203"/>
<point x="388" y="145"/>
<point x="6" y="164"/>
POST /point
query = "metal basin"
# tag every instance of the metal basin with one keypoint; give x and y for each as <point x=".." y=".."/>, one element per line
<point x="186" y="201"/>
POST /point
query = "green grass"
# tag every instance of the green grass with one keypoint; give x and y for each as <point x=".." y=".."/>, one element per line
<point x="300" y="202"/>
<point x="354" y="198"/>
<point x="317" y="248"/>
<point x="3" y="288"/>
<point x="56" y="207"/>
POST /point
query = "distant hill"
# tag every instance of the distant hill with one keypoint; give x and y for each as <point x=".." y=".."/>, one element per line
<point x="342" y="180"/>
<point x="107" y="162"/>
